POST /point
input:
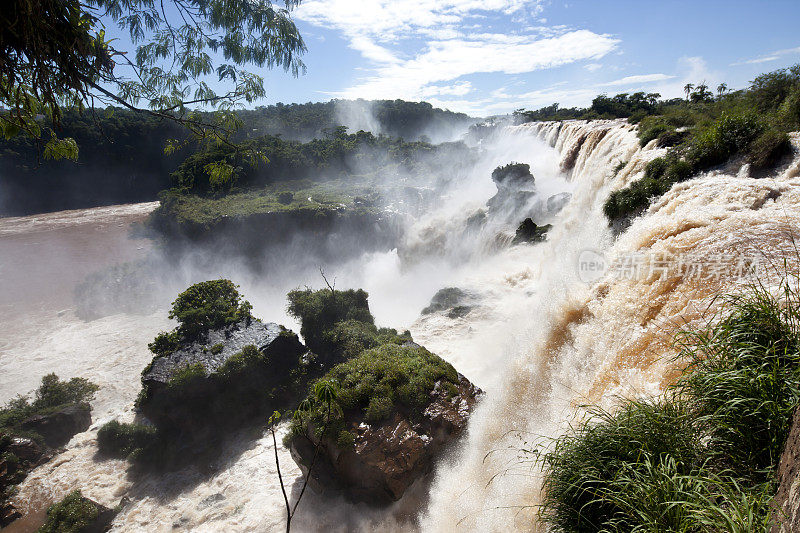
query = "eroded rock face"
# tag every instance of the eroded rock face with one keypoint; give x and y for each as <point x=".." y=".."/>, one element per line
<point x="18" y="456"/>
<point x="787" y="497"/>
<point x="265" y="337"/>
<point x="386" y="458"/>
<point x="58" y="427"/>
<point x="455" y="302"/>
<point x="208" y="394"/>
<point x="528" y="231"/>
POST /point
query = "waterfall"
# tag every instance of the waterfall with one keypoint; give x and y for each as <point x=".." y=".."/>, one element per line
<point x="588" y="343"/>
<point x="543" y="339"/>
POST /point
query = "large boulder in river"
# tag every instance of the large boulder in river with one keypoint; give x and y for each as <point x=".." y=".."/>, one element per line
<point x="58" y="427"/>
<point x="515" y="188"/>
<point x="397" y="407"/>
<point x="453" y="301"/>
<point x="528" y="231"/>
<point x="229" y="373"/>
<point x="18" y="456"/>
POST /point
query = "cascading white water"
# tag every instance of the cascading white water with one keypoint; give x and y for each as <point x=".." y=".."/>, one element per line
<point x="592" y="343"/>
<point x="540" y="341"/>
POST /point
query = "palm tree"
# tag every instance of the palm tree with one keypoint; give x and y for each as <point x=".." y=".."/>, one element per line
<point x="688" y="89"/>
<point x="722" y="88"/>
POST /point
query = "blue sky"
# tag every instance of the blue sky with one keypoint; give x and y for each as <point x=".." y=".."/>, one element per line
<point x="487" y="57"/>
<point x="492" y="56"/>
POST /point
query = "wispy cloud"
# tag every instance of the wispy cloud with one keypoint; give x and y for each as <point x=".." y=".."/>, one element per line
<point x="766" y="58"/>
<point x="448" y="60"/>
<point x="425" y="48"/>
<point x="639" y="79"/>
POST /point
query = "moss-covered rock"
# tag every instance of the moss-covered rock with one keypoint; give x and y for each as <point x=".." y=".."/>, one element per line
<point x="30" y="429"/>
<point x="77" y="514"/>
<point x="529" y="232"/>
<point x="256" y="366"/>
<point x="396" y="407"/>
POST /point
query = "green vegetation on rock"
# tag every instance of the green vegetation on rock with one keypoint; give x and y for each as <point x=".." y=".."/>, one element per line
<point x="700" y="132"/>
<point x="319" y="311"/>
<point x="704" y="457"/>
<point x="51" y="396"/>
<point x="73" y="514"/>
<point x="376" y="383"/>
<point x="119" y="440"/>
<point x="202" y="307"/>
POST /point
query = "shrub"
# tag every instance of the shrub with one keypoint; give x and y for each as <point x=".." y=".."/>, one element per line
<point x="652" y="132"/>
<point x="583" y="468"/>
<point x="318" y="311"/>
<point x="714" y="144"/>
<point x="402" y="375"/>
<point x="73" y="514"/>
<point x="768" y="91"/>
<point x="768" y="148"/>
<point x="208" y="305"/>
<point x="285" y="197"/>
<point x="743" y="381"/>
<point x="165" y="343"/>
<point x="115" y="439"/>
<point x="54" y="393"/>
<point x="379" y="382"/>
<point x="51" y="395"/>
<point x="659" y="176"/>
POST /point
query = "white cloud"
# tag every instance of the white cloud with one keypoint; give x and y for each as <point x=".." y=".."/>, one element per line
<point x="591" y="67"/>
<point x="456" y="89"/>
<point x="387" y="20"/>
<point x="765" y="58"/>
<point x="639" y="79"/>
<point x="451" y="59"/>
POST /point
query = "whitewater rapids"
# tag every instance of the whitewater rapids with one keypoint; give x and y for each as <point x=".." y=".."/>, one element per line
<point x="543" y="340"/>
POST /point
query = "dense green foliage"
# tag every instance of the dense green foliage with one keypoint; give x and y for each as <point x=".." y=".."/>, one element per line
<point x="222" y="168"/>
<point x="208" y="305"/>
<point x="122" y="156"/>
<point x="623" y="105"/>
<point x="121" y="160"/>
<point x="395" y="118"/>
<point x="119" y="440"/>
<point x="703" y="458"/>
<point x="705" y="132"/>
<point x="52" y="394"/>
<point x="373" y="385"/>
<point x="202" y="307"/>
<point x="73" y="514"/>
<point x="390" y="375"/>
<point x="318" y="312"/>
<point x="55" y="56"/>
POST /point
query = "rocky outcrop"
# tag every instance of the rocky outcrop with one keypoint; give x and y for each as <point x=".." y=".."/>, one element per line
<point x="58" y="427"/>
<point x="787" y="497"/>
<point x="18" y="456"/>
<point x="529" y="232"/>
<point x="515" y="188"/>
<point x="454" y="302"/>
<point x="226" y="376"/>
<point x="386" y="458"/>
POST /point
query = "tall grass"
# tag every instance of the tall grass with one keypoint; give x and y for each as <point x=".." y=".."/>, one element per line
<point x="703" y="457"/>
